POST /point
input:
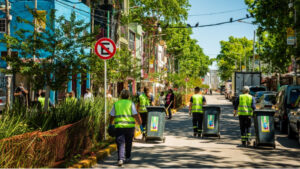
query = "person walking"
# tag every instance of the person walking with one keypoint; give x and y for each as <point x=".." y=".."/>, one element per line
<point x="170" y="103"/>
<point x="196" y="108"/>
<point x="244" y="107"/>
<point x="144" y="101"/>
<point x="88" y="95"/>
<point x="161" y="99"/>
<point x="21" y="95"/>
<point x="124" y="116"/>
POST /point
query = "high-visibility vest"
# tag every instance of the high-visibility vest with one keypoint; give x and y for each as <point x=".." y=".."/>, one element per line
<point x="245" y="102"/>
<point x="123" y="116"/>
<point x="42" y="101"/>
<point x="197" y="104"/>
<point x="144" y="102"/>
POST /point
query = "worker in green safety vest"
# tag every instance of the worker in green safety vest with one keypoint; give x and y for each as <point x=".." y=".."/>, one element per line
<point x="124" y="116"/>
<point x="196" y="108"/>
<point x="145" y="100"/>
<point x="244" y="107"/>
<point x="41" y="100"/>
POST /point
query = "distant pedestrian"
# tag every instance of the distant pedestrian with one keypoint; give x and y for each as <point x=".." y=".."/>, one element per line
<point x="124" y="116"/>
<point x="144" y="101"/>
<point x="244" y="107"/>
<point x="196" y="108"/>
<point x="170" y="102"/>
<point x="161" y="99"/>
<point x="21" y="95"/>
<point x="88" y="95"/>
<point x="71" y="97"/>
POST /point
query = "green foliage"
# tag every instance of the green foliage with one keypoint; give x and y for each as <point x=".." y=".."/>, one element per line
<point x="122" y="66"/>
<point x="19" y="119"/>
<point x="232" y="56"/>
<point x="60" y="50"/>
<point x="273" y="18"/>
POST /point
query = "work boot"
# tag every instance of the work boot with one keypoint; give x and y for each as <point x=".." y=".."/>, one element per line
<point x="127" y="160"/>
<point x="120" y="163"/>
<point x="195" y="134"/>
<point x="248" y="144"/>
<point x="244" y="143"/>
<point x="199" y="135"/>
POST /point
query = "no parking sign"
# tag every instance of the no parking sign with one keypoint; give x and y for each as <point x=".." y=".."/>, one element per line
<point x="105" y="48"/>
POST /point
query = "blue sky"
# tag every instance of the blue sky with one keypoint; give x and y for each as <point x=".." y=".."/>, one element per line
<point x="209" y="37"/>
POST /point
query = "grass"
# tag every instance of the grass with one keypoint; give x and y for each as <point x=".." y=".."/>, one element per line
<point x="20" y="120"/>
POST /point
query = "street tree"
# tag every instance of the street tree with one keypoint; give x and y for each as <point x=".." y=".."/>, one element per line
<point x="273" y="18"/>
<point x="235" y="54"/>
<point x="60" y="50"/>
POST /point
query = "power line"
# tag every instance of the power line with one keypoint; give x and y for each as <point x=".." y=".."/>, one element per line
<point x="221" y="12"/>
<point x="209" y="25"/>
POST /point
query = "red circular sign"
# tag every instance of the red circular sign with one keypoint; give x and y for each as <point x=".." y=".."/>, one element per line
<point x="105" y="48"/>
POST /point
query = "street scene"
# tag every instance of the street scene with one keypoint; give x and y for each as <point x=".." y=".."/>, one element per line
<point x="149" y="84"/>
<point x="182" y="150"/>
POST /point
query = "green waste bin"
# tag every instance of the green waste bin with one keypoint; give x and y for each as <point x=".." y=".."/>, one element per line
<point x="264" y="128"/>
<point x="211" y="121"/>
<point x="156" y="123"/>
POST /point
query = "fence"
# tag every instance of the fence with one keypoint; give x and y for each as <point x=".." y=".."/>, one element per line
<point x="45" y="149"/>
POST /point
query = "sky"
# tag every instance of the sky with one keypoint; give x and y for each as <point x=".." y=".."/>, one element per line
<point x="209" y="37"/>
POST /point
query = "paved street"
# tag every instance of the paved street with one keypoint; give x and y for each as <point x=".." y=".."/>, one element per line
<point x="182" y="150"/>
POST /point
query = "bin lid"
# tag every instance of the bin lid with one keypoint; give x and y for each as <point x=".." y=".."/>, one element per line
<point x="212" y="107"/>
<point x="271" y="111"/>
<point x="156" y="108"/>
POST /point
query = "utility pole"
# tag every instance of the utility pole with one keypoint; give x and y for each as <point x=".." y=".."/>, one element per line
<point x="296" y="45"/>
<point x="253" y="61"/>
<point x="105" y="78"/>
<point x="9" y="77"/>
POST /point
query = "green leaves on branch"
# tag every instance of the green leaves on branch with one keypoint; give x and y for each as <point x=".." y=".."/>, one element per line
<point x="233" y="55"/>
<point x="60" y="50"/>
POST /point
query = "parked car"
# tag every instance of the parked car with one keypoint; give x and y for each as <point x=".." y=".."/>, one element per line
<point x="261" y="93"/>
<point x="285" y="102"/>
<point x="254" y="89"/>
<point x="294" y="122"/>
<point x="266" y="101"/>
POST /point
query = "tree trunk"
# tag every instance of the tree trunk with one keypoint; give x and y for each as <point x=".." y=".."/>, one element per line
<point x="9" y="78"/>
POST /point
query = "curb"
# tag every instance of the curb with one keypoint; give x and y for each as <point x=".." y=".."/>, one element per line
<point x="92" y="160"/>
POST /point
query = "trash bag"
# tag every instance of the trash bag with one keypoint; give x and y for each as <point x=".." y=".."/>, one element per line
<point x="111" y="131"/>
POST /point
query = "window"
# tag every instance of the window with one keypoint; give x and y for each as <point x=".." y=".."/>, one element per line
<point x="132" y="41"/>
<point x="2" y="25"/>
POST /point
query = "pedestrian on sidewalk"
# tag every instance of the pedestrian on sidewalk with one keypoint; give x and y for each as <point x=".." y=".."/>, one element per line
<point x="145" y="100"/>
<point x="196" y="108"/>
<point x="170" y="103"/>
<point x="244" y="107"/>
<point x="124" y="116"/>
<point x="161" y="99"/>
<point x="88" y="95"/>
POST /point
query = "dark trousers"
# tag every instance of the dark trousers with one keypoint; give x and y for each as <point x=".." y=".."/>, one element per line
<point x="144" y="117"/>
<point x="245" y="126"/>
<point x="169" y="111"/>
<point x="197" y="122"/>
<point x="124" y="137"/>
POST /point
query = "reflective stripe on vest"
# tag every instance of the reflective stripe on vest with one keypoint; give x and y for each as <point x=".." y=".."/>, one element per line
<point x="245" y="102"/>
<point x="197" y="103"/>
<point x="123" y="116"/>
<point x="144" y="101"/>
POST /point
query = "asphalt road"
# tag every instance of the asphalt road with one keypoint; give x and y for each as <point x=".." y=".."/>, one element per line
<point x="184" y="151"/>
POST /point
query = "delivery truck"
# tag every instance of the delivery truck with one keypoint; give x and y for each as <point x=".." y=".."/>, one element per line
<point x="241" y="79"/>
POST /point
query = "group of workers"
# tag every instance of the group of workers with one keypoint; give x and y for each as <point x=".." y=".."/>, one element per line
<point x="125" y="115"/>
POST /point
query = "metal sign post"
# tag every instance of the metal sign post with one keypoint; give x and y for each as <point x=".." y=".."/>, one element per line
<point x="105" y="49"/>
